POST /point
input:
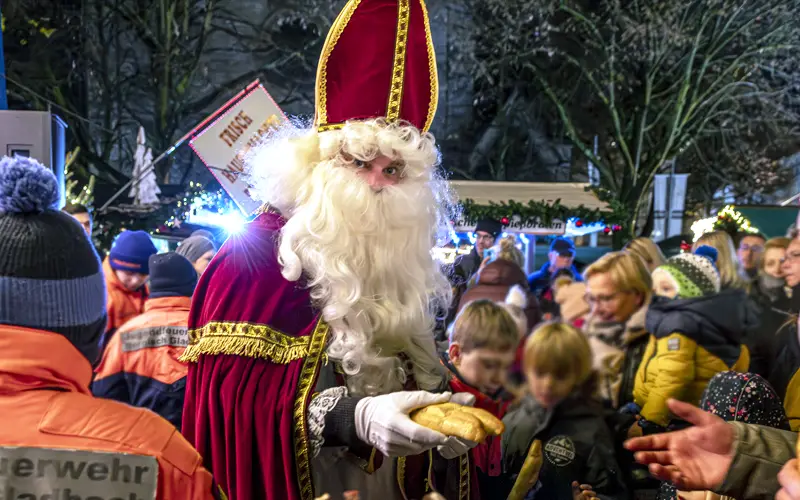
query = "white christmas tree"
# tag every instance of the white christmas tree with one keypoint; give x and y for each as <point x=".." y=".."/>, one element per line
<point x="144" y="190"/>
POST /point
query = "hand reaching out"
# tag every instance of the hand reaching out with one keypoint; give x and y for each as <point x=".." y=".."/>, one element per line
<point x="582" y="491"/>
<point x="697" y="458"/>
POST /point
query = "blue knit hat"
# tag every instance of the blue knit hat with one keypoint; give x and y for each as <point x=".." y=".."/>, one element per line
<point x="50" y="276"/>
<point x="171" y="275"/>
<point x="131" y="251"/>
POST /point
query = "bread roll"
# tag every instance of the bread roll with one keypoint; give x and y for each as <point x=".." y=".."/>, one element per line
<point x="529" y="473"/>
<point x="491" y="424"/>
<point x="464" y="422"/>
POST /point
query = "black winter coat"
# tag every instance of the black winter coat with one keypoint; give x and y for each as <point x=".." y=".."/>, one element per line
<point x="576" y="443"/>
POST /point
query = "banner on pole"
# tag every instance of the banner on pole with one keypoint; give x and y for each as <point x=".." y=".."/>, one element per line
<point x="677" y="203"/>
<point x="221" y="145"/>
<point x="660" y="184"/>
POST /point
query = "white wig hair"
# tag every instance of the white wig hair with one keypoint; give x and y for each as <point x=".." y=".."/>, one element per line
<point x="365" y="255"/>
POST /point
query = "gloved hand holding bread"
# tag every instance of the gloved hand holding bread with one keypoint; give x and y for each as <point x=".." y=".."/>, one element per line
<point x="402" y="424"/>
<point x="466" y="422"/>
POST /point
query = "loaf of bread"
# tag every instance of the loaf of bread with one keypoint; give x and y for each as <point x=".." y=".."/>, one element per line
<point x="529" y="473"/>
<point x="452" y="419"/>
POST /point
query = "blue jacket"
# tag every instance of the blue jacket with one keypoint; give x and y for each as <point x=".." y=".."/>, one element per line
<point x="539" y="281"/>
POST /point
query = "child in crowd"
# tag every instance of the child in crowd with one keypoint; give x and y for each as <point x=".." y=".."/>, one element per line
<point x="560" y="410"/>
<point x="141" y="364"/>
<point x="695" y="333"/>
<point x="199" y="249"/>
<point x="551" y="309"/>
<point x="483" y="341"/>
<point x="571" y="299"/>
<point x="126" y="271"/>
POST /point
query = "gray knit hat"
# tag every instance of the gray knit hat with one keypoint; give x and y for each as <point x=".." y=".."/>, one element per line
<point x="194" y="247"/>
<point x="50" y="276"/>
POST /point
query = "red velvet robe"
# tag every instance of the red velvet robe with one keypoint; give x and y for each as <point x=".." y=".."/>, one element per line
<point x="256" y="347"/>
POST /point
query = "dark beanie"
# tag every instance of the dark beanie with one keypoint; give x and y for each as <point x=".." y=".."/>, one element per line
<point x="50" y="276"/>
<point x="171" y="275"/>
<point x="131" y="251"/>
<point x="490" y="226"/>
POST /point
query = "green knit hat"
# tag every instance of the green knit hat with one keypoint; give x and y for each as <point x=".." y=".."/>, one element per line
<point x="693" y="274"/>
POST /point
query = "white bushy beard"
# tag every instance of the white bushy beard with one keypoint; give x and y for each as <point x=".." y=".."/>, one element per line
<point x="367" y="258"/>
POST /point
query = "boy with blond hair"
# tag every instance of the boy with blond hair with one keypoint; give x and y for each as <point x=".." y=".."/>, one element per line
<point x="560" y="410"/>
<point x="483" y="342"/>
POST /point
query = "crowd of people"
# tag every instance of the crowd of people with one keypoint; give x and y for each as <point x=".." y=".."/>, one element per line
<point x="715" y="327"/>
<point x="635" y="353"/>
<point x="290" y="362"/>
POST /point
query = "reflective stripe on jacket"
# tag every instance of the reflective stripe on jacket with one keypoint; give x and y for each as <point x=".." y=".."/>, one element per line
<point x="46" y="403"/>
<point x="140" y="365"/>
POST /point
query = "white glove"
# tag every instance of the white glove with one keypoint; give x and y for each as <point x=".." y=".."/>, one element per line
<point x="455" y="446"/>
<point x="382" y="422"/>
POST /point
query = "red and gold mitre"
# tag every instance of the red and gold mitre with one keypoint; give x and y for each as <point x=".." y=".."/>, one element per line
<point x="378" y="62"/>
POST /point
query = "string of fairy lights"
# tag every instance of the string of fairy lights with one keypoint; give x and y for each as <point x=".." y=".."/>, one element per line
<point x="728" y="219"/>
<point x="197" y="199"/>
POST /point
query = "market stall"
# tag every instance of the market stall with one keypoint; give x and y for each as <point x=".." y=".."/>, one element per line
<point x="527" y="210"/>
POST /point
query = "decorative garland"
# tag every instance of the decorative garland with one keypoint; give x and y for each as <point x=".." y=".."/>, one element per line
<point x="539" y="212"/>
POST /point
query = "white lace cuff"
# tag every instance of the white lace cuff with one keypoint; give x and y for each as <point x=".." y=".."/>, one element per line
<point x="317" y="409"/>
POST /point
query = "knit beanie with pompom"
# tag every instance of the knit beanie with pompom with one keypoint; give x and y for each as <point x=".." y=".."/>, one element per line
<point x="50" y="276"/>
<point x="693" y="274"/>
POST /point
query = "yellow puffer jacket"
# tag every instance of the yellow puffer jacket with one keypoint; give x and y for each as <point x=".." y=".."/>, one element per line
<point x="677" y="367"/>
<point x="691" y="340"/>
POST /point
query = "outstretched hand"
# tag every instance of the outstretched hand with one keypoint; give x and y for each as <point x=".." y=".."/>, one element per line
<point x="697" y="458"/>
<point x="582" y="491"/>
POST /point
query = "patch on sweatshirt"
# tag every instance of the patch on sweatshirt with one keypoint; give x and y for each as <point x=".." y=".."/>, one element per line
<point x="560" y="451"/>
<point x="674" y="344"/>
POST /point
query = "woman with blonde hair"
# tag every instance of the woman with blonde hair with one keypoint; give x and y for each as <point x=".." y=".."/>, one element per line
<point x="618" y="290"/>
<point x="727" y="263"/>
<point x="647" y="250"/>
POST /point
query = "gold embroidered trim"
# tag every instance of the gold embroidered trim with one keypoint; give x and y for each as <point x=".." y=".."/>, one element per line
<point x="308" y="377"/>
<point x="334" y="34"/>
<point x="330" y="126"/>
<point x="429" y="480"/>
<point x="463" y="483"/>
<point x="434" y="103"/>
<point x="399" y="64"/>
<point x="401" y="476"/>
<point x="367" y="466"/>
<point x="244" y="339"/>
